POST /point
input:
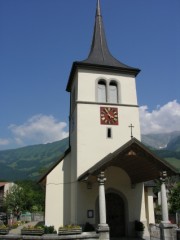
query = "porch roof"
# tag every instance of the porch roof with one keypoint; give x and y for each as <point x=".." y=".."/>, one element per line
<point x="136" y="160"/>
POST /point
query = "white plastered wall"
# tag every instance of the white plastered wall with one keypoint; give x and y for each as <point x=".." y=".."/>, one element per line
<point x="92" y="142"/>
<point x="87" y="81"/>
<point x="119" y="182"/>
<point x="57" y="210"/>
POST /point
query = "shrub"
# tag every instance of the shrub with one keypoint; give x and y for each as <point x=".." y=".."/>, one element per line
<point x="139" y="226"/>
<point x="89" y="227"/>
<point x="70" y="226"/>
<point x="3" y="226"/>
<point x="49" y="230"/>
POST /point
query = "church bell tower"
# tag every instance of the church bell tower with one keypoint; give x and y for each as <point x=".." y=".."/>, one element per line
<point x="103" y="103"/>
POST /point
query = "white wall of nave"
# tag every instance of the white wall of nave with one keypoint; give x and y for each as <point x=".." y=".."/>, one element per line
<point x="57" y="205"/>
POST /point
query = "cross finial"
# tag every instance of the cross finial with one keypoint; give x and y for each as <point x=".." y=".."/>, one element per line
<point x="131" y="126"/>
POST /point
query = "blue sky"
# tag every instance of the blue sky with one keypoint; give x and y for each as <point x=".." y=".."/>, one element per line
<point x="41" y="38"/>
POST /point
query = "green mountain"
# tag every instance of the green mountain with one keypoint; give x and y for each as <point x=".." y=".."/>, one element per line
<point x="166" y="146"/>
<point x="174" y="144"/>
<point x="31" y="161"/>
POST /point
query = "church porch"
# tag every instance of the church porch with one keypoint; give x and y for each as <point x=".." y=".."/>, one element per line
<point x="139" y="165"/>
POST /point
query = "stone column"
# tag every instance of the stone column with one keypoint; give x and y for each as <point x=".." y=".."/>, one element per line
<point x="164" y="205"/>
<point x="165" y="226"/>
<point x="103" y="227"/>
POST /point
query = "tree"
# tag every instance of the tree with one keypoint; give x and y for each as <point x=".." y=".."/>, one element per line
<point x="14" y="200"/>
<point x="170" y="184"/>
<point x="35" y="195"/>
<point x="174" y="198"/>
<point x="24" y="196"/>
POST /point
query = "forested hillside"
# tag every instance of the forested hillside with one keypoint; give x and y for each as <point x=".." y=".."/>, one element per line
<point x="31" y="161"/>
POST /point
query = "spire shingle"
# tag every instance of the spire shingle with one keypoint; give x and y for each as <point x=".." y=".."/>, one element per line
<point x="99" y="53"/>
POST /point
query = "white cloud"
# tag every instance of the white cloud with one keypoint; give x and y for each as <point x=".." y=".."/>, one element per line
<point x="161" y="120"/>
<point x="43" y="129"/>
<point x="39" y="129"/>
<point x="4" y="141"/>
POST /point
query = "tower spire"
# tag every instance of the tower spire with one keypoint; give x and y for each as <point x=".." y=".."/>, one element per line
<point x="99" y="52"/>
<point x="100" y="56"/>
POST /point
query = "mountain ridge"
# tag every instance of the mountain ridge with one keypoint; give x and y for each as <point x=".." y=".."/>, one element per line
<point x="31" y="161"/>
<point x="159" y="140"/>
<point x="28" y="162"/>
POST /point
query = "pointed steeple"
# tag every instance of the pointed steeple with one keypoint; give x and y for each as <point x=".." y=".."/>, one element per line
<point x="99" y="53"/>
<point x="100" y="57"/>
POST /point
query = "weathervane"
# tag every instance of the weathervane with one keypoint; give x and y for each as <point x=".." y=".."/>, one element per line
<point x="131" y="126"/>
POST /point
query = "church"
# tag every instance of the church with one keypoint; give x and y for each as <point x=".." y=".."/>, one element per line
<point x="104" y="178"/>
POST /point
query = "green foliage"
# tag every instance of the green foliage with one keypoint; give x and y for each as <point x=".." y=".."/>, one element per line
<point x="173" y="158"/>
<point x="32" y="227"/>
<point x="49" y="229"/>
<point x="174" y="144"/>
<point x="70" y="226"/>
<point x="170" y="184"/>
<point x="14" y="200"/>
<point x="139" y="226"/>
<point x="174" y="198"/>
<point x="174" y="162"/>
<point x="30" y="162"/>
<point x="4" y="226"/>
<point x="24" y="196"/>
<point x="89" y="227"/>
<point x="167" y="154"/>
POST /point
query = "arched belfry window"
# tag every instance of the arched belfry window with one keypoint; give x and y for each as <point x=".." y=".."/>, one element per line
<point x="113" y="92"/>
<point x="102" y="91"/>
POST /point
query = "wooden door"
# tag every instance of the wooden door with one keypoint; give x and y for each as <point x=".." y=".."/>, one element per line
<point x="115" y="214"/>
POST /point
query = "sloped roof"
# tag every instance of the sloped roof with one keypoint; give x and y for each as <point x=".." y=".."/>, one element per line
<point x="99" y="53"/>
<point x="136" y="160"/>
<point x="100" y="57"/>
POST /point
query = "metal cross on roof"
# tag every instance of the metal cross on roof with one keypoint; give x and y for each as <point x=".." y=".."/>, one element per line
<point x="131" y="126"/>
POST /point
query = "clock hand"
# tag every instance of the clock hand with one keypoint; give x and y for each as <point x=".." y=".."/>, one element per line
<point x="106" y="110"/>
<point x="108" y="113"/>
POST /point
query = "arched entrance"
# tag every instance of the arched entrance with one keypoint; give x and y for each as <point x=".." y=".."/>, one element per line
<point x="115" y="214"/>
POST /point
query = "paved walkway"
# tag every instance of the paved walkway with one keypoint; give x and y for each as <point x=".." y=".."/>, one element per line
<point x="18" y="229"/>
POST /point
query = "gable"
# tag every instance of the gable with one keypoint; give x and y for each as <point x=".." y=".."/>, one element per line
<point x="136" y="160"/>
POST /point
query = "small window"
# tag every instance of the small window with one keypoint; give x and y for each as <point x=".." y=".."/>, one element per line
<point x="109" y="133"/>
<point x="102" y="91"/>
<point x="113" y="92"/>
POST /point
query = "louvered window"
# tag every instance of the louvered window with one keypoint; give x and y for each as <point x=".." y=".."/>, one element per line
<point x="113" y="92"/>
<point x="102" y="91"/>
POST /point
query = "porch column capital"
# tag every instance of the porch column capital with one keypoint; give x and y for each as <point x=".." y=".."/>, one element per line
<point x="163" y="176"/>
<point x="101" y="178"/>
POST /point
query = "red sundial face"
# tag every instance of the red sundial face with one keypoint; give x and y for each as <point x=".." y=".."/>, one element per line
<point x="109" y="115"/>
